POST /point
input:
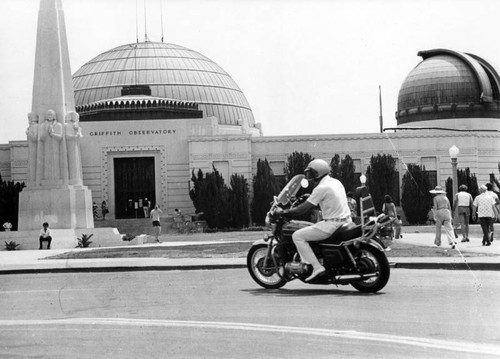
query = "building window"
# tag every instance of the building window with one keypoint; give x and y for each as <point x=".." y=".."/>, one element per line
<point x="430" y="168"/>
<point x="278" y="168"/>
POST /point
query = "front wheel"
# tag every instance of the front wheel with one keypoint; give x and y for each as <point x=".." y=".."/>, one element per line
<point x="371" y="260"/>
<point x="263" y="271"/>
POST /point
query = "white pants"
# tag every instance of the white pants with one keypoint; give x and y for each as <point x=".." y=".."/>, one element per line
<point x="314" y="233"/>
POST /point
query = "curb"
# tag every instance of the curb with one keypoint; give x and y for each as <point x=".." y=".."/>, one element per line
<point x="122" y="269"/>
<point x="447" y="266"/>
<point x="393" y="265"/>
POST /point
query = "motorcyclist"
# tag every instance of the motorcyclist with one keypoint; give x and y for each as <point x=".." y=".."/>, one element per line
<point x="329" y="194"/>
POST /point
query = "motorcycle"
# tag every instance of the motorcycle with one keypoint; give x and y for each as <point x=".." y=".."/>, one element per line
<point x="353" y="254"/>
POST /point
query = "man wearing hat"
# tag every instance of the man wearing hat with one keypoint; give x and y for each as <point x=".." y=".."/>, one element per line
<point x="442" y="215"/>
<point x="484" y="204"/>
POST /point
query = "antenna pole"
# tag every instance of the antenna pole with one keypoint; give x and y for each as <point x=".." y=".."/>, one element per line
<point x="161" y="19"/>
<point x="145" y="23"/>
<point x="381" y="119"/>
<point x="136" y="22"/>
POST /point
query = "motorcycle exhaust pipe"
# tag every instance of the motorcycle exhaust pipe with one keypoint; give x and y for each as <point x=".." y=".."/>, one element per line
<point x="353" y="277"/>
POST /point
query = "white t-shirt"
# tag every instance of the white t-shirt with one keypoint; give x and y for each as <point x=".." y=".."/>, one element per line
<point x="330" y="195"/>
<point x="44" y="233"/>
<point x="464" y="199"/>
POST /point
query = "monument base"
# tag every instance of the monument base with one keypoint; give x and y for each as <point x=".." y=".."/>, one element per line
<point x="62" y="208"/>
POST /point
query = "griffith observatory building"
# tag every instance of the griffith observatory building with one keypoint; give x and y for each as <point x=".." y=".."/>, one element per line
<point x="151" y="112"/>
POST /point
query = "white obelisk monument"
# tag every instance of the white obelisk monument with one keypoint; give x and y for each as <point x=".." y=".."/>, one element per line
<point x="55" y="192"/>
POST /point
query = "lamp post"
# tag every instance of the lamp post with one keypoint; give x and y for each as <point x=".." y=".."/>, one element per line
<point x="362" y="179"/>
<point x="453" y="155"/>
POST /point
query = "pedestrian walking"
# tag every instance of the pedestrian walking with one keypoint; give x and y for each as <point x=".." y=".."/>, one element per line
<point x="441" y="210"/>
<point x="489" y="190"/>
<point x="461" y="208"/>
<point x="155" y="216"/>
<point x="484" y="204"/>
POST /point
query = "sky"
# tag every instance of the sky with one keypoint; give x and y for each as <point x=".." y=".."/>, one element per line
<point x="305" y="66"/>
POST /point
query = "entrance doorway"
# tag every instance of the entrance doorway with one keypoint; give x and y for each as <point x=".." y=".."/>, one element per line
<point x="134" y="183"/>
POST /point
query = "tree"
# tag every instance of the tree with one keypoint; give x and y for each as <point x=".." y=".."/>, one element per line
<point x="9" y="201"/>
<point x="416" y="199"/>
<point x="210" y="196"/>
<point x="466" y="178"/>
<point x="214" y="200"/>
<point x="380" y="178"/>
<point x="346" y="174"/>
<point x="194" y="193"/>
<point x="238" y="200"/>
<point x="334" y="166"/>
<point x="296" y="164"/>
<point x="264" y="188"/>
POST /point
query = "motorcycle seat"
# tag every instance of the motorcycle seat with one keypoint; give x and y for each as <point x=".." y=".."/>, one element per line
<point x="345" y="232"/>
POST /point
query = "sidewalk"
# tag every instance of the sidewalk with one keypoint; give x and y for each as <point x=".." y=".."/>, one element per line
<point x="31" y="261"/>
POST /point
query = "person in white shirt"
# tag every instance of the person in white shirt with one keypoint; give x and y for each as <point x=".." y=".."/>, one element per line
<point x="45" y="236"/>
<point x="463" y="203"/>
<point x="489" y="190"/>
<point x="329" y="194"/>
<point x="484" y="204"/>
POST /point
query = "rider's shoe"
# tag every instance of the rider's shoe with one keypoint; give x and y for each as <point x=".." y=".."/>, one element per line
<point x="315" y="273"/>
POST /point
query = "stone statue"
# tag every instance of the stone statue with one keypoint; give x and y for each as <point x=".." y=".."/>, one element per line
<point x="73" y="134"/>
<point x="51" y="135"/>
<point x="32" y="135"/>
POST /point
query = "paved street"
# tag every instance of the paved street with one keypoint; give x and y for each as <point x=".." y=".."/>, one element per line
<point x="224" y="314"/>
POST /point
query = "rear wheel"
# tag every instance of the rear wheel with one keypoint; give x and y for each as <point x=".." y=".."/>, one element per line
<point x="263" y="271"/>
<point x="371" y="260"/>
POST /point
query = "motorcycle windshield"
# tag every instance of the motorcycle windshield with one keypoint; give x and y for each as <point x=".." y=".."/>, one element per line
<point x="290" y="189"/>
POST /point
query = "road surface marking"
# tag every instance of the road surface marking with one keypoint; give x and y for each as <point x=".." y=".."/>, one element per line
<point x="456" y="346"/>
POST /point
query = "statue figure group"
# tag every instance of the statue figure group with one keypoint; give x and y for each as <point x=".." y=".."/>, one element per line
<point x="54" y="150"/>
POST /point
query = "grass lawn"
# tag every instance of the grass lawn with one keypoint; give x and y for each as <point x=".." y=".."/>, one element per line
<point x="234" y="250"/>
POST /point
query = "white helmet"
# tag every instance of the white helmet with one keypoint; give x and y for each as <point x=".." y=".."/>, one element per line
<point x="317" y="169"/>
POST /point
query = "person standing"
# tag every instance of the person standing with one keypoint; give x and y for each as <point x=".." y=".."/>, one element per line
<point x="463" y="202"/>
<point x="442" y="215"/>
<point x="389" y="208"/>
<point x="94" y="210"/>
<point x="484" y="204"/>
<point x="489" y="190"/>
<point x="146" y="207"/>
<point x="398" y="223"/>
<point x="7" y="226"/>
<point x="45" y="235"/>
<point x="155" y="216"/>
<point x="104" y="210"/>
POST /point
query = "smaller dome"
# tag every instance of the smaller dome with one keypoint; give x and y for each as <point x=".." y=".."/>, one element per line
<point x="449" y="85"/>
